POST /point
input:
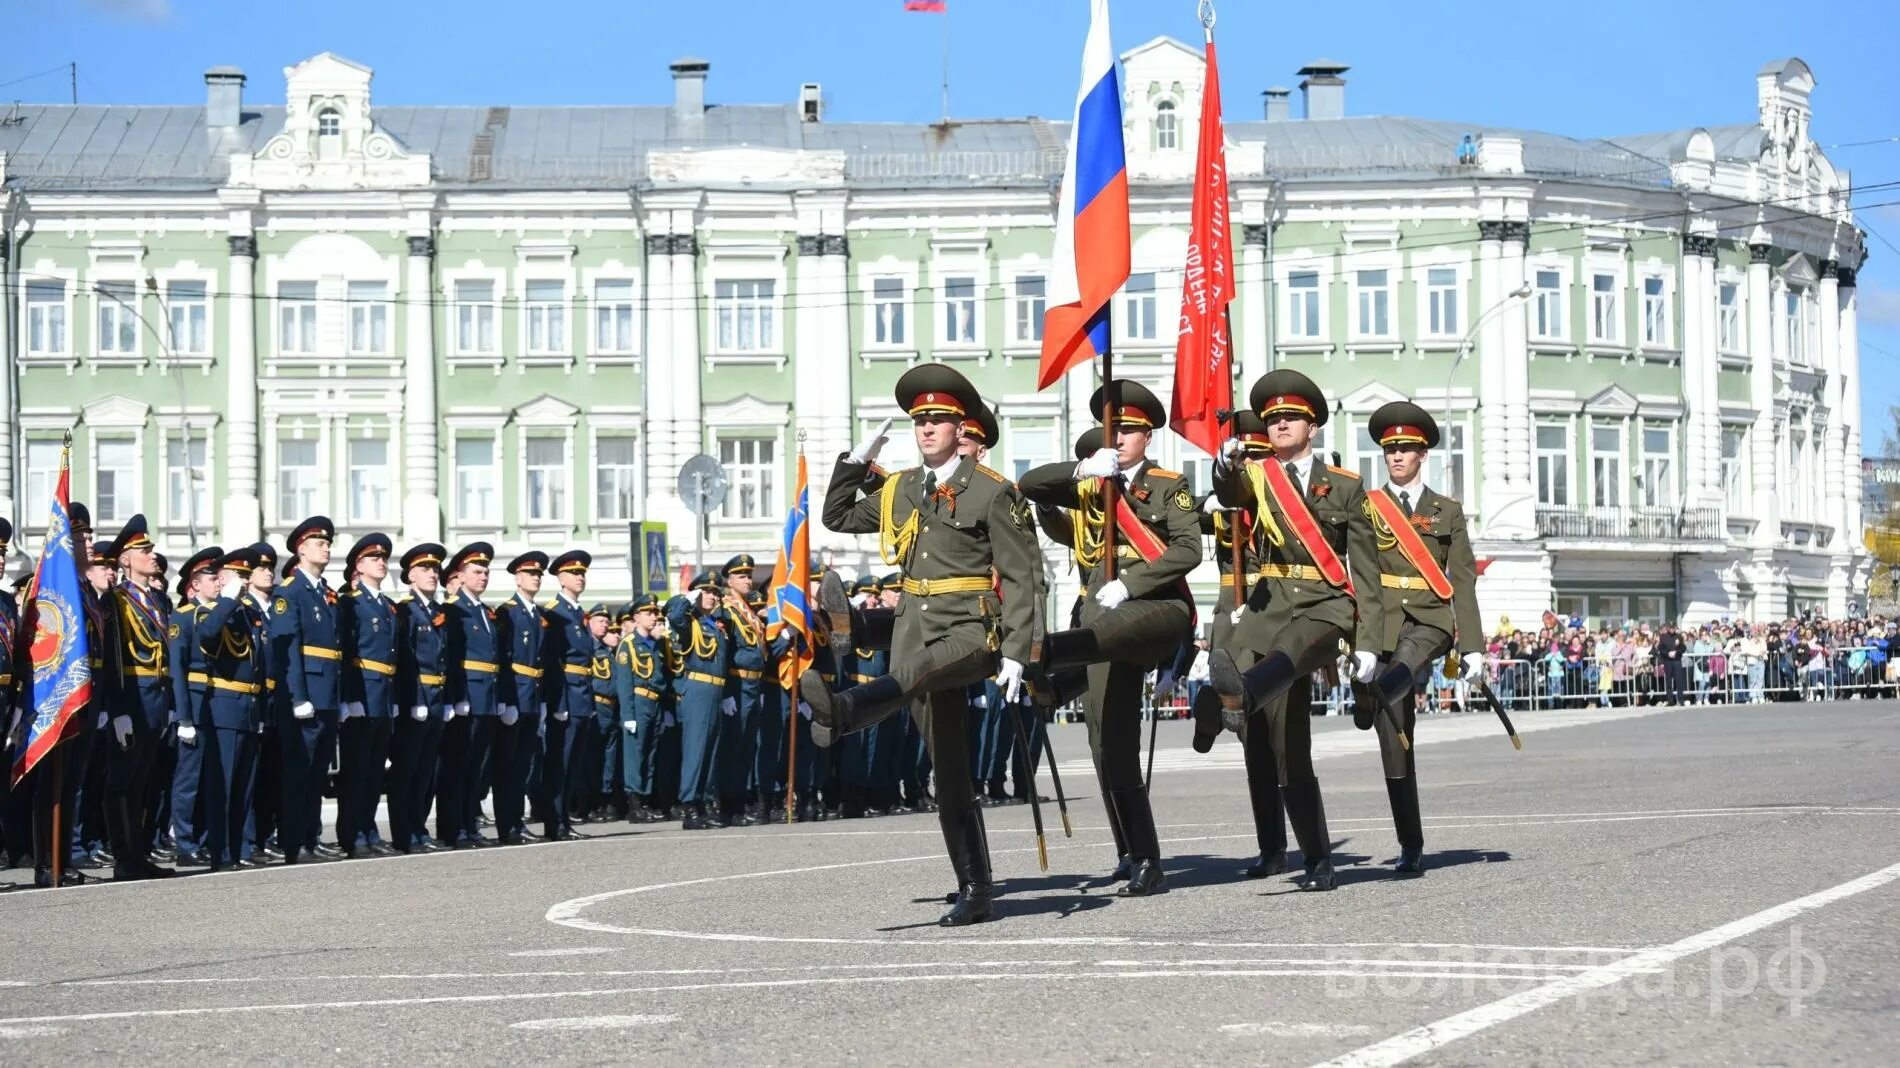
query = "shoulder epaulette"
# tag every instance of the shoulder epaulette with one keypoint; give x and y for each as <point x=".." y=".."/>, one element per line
<point x="1162" y="472"/>
<point x="188" y="609"/>
<point x="405" y="598"/>
<point x="997" y="475"/>
<point x="1342" y="471"/>
<point x="551" y="602"/>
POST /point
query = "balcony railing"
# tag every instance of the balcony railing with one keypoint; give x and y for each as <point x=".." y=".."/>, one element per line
<point x="1631" y="523"/>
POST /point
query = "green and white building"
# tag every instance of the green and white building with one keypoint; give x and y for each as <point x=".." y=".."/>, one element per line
<point x="515" y="323"/>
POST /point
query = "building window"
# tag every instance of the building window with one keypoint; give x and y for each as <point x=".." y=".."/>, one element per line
<point x="1553" y="464"/>
<point x="1796" y="336"/>
<point x="1548" y="322"/>
<point x="887" y="313"/>
<point x="187" y="483"/>
<point x="1729" y="316"/>
<point x="118" y="327"/>
<point x="1029" y="302"/>
<point x="369" y="478"/>
<point x="1655" y="312"/>
<point x="1028" y="443"/>
<point x="1374" y="303"/>
<point x="42" y="476"/>
<point x="1302" y="300"/>
<point x="477" y="481"/>
<point x="1605" y="326"/>
<point x="1167" y="127"/>
<point x="1572" y="606"/>
<point x="475" y="318"/>
<point x="746" y="313"/>
<point x="959" y="311"/>
<point x="1138" y="307"/>
<point x="1799" y="474"/>
<point x="616" y="477"/>
<point x="546" y="309"/>
<point x="613" y="317"/>
<point x="1659" y="471"/>
<point x="1445" y="465"/>
<point x="46" y="318"/>
<point x="1650" y="608"/>
<point x="547" y="479"/>
<point x="752" y="476"/>
<point x="1606" y="466"/>
<point x="329" y="134"/>
<point x="297" y="475"/>
<point x="1441" y="298"/>
<point x="1612" y="611"/>
<point x="1734" y="485"/>
<point x="188" y="313"/>
<point x="369" y="319"/>
<point x="115" y="486"/>
<point x="297" y="318"/>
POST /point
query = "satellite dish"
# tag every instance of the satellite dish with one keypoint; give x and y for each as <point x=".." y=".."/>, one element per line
<point x="702" y="484"/>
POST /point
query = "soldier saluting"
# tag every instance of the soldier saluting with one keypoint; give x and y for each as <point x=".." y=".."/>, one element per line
<point x="958" y="530"/>
<point x="1311" y="523"/>
<point x="1428" y="581"/>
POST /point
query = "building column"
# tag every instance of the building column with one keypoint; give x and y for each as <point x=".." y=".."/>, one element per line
<point x="422" y="501"/>
<point x="1769" y="592"/>
<point x="1491" y="449"/>
<point x="1697" y="372"/>
<point x="8" y="289"/>
<point x="1833" y="444"/>
<point x="1517" y="385"/>
<point x="1852" y="521"/>
<point x="658" y="371"/>
<point x="1256" y="312"/>
<point x="835" y="430"/>
<point x="243" y="517"/>
<point x="1509" y="506"/>
<point x="689" y="438"/>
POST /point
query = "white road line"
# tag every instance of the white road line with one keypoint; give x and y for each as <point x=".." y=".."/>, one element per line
<point x="1274" y="1029"/>
<point x="578" y="951"/>
<point x="1428" y="1037"/>
<point x="591" y="1023"/>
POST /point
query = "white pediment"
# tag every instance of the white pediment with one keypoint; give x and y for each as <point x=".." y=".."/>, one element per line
<point x="747" y="411"/>
<point x="116" y="411"/>
<point x="1612" y="400"/>
<point x="546" y="410"/>
<point x="747" y="165"/>
<point x="329" y="140"/>
<point x="1370" y="396"/>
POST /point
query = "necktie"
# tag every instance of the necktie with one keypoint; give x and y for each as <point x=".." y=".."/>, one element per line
<point x="1405" y="501"/>
<point x="930" y="483"/>
<point x="1293" y="474"/>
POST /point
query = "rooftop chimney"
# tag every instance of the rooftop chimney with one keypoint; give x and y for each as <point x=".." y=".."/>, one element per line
<point x="1279" y="103"/>
<point x="689" y="94"/>
<point x="1323" y="90"/>
<point x="811" y="102"/>
<point x="224" y="98"/>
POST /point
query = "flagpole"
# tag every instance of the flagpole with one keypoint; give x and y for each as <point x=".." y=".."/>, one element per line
<point x="791" y="749"/>
<point x="56" y="840"/>
<point x="946" y="65"/>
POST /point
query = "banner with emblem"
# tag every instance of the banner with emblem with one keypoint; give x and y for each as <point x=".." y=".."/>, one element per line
<point x="60" y="684"/>
<point x="791" y="591"/>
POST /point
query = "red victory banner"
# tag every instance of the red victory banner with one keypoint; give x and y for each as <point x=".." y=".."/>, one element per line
<point x="1203" y="350"/>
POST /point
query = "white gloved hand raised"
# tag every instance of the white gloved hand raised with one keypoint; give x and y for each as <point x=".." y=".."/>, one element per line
<point x="231" y="587"/>
<point x="630" y="726"/>
<point x="304" y="710"/>
<point x="1471" y="667"/>
<point x="122" y="731"/>
<point x="1364" y="664"/>
<point x="1102" y="463"/>
<point x="187" y="734"/>
<point x="867" y="451"/>
<point x="1009" y="678"/>
<point x="419" y="713"/>
<point x="1112" y="594"/>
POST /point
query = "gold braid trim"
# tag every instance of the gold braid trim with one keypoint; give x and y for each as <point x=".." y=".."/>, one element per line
<point x="742" y="619"/>
<point x="1263" y="515"/>
<point x="893" y="541"/>
<point x="1382" y="531"/>
<point x="1090" y="523"/>
<point x="642" y="665"/>
<point x="711" y="646"/>
<point x="142" y="643"/>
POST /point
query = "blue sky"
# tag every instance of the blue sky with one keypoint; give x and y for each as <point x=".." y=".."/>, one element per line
<point x="1601" y="68"/>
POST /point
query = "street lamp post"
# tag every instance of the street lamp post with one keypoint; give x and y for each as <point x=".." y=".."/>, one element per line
<point x="170" y="348"/>
<point x="1522" y="292"/>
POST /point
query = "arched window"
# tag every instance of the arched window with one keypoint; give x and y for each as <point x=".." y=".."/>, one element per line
<point x="1167" y="132"/>
<point x="329" y="134"/>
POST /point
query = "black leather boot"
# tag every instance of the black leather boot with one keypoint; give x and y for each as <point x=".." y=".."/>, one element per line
<point x="834" y="715"/>
<point x="1207" y="719"/>
<point x="1124" y="865"/>
<point x="1144" y="846"/>
<point x="1307" y="813"/>
<point x="1405" y="819"/>
<point x="974" y="891"/>
<point x="1064" y="649"/>
<point x="1266" y="866"/>
<point x="1393" y="685"/>
<point x="1240" y="690"/>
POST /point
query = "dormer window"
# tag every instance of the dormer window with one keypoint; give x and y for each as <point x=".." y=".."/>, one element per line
<point x="1167" y="129"/>
<point x="329" y="134"/>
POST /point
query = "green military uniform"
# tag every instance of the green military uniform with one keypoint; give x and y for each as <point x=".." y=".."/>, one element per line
<point x="957" y="532"/>
<point x="1143" y="623"/>
<point x="1419" y="625"/>
<point x="1297" y="616"/>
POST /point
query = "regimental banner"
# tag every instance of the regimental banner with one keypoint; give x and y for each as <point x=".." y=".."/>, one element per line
<point x="60" y="684"/>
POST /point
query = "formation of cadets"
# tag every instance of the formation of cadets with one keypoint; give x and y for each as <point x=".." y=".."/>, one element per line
<point x="219" y="715"/>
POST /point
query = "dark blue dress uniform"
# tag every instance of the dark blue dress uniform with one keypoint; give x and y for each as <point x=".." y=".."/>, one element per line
<point x="567" y="659"/>
<point x="743" y="684"/>
<point x="477" y="683"/>
<point x="705" y="653"/>
<point x="367" y="622"/>
<point x="306" y="651"/>
<point x="267" y="780"/>
<point x="767" y="778"/>
<point x="185" y="656"/>
<point x="85" y="782"/>
<point x="642" y="681"/>
<point x="603" y="763"/>
<point x="422" y="695"/>
<point x="231" y="635"/>
<point x="139" y="719"/>
<point x="520" y="633"/>
<point x="15" y="844"/>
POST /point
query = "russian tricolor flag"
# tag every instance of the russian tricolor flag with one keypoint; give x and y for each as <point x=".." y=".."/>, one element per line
<point x="1092" y="247"/>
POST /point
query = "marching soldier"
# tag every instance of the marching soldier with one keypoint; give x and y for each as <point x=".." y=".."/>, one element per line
<point x="957" y="529"/>
<point x="1311" y="523"/>
<point x="1256" y="740"/>
<point x="85" y="777"/>
<point x="521" y="630"/>
<point x="567" y="664"/>
<point x="1136" y="620"/>
<point x="367" y="624"/>
<point x="1428" y="581"/>
<point x="704" y="649"/>
<point x="642" y="680"/>
<point x="267" y="793"/>
<point x="587" y="798"/>
<point x="189" y="668"/>
<point x="422" y="697"/>
<point x="476" y="660"/>
<point x="744" y="679"/>
<point x="306" y="648"/>
<point x="139" y="721"/>
<point x="231" y="635"/>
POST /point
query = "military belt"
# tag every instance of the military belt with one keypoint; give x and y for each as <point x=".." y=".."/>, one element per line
<point x="248" y="688"/>
<point x="928" y="587"/>
<point x="526" y="670"/>
<point x="1227" y="581"/>
<point x="710" y="680"/>
<point x="1404" y="582"/>
<point x="480" y="667"/>
<point x="827" y="676"/>
<point x="6" y="678"/>
<point x="748" y="674"/>
<point x="429" y="680"/>
<point x="862" y="679"/>
<point x="376" y="666"/>
<point x="642" y="691"/>
<point x="578" y="669"/>
<point x="1303" y="572"/>
<point x="603" y="699"/>
<point x="321" y="653"/>
<point x="145" y="672"/>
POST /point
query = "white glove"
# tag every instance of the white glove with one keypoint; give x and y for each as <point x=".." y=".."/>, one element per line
<point x="1234" y="616"/>
<point x="1112" y="595"/>
<point x="187" y="734"/>
<point x="461" y="708"/>
<point x="630" y="726"/>
<point x="1364" y="664"/>
<point x="1165" y="683"/>
<point x="1009" y="679"/>
<point x="1213" y="505"/>
<point x="1100" y="464"/>
<point x="867" y="451"/>
<point x="351" y="709"/>
<point x="804" y="709"/>
<point x="101" y="725"/>
<point x="122" y="731"/>
<point x="1229" y="449"/>
<point x="304" y="710"/>
<point x="419" y="713"/>
<point x="729" y="706"/>
<point x="394" y="711"/>
<point x="1471" y="667"/>
<point x="560" y="715"/>
<point x="667" y="720"/>
<point x="231" y="587"/>
<point x="448" y="713"/>
<point x="541" y="710"/>
<point x="508" y="715"/>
